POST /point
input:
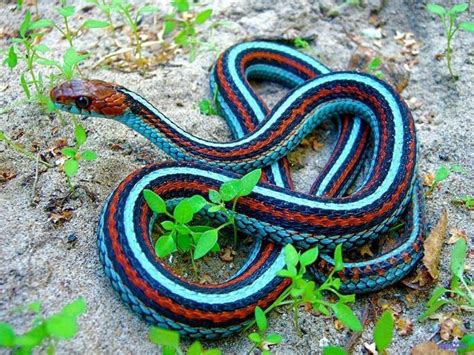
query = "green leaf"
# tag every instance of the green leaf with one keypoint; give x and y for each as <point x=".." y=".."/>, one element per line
<point x="214" y="196"/>
<point x="436" y="9"/>
<point x="180" y="5"/>
<point x="61" y="326"/>
<point x="48" y="62"/>
<point x="67" y="11"/>
<point x="467" y="26"/>
<point x="25" y="24"/>
<point x="334" y="350"/>
<point x="205" y="243"/>
<point x="249" y="181"/>
<point x="338" y="261"/>
<point x="12" y="58"/>
<point x="88" y="155"/>
<point x="467" y="342"/>
<point x="214" y="209"/>
<point x="35" y="307"/>
<point x="80" y="134"/>
<point x="167" y="225"/>
<point x="260" y="319"/>
<point x="69" y="152"/>
<point x="255" y="338"/>
<point x="168" y="27"/>
<point x="181" y="38"/>
<point x="75" y="308"/>
<point x="230" y="189"/>
<point x="273" y="338"/>
<point x="183" y="212"/>
<point x="42" y="23"/>
<point x="154" y="201"/>
<point x="203" y="16"/>
<point x="300" y="43"/>
<point x="184" y="242"/>
<point x="195" y="348"/>
<point x="441" y="174"/>
<point x="7" y="335"/>
<point x="91" y="23"/>
<point x="436" y="294"/>
<point x="458" y="258"/>
<point x="457" y="9"/>
<point x="24" y="86"/>
<point x="164" y="337"/>
<point x="148" y="9"/>
<point x="383" y="331"/>
<point x="205" y="107"/>
<point x="41" y="48"/>
<point x="197" y="202"/>
<point x="165" y="245"/>
<point x="31" y="338"/>
<point x="71" y="166"/>
<point x="291" y="255"/>
<point x="309" y="256"/>
<point x="433" y="308"/>
<point x="347" y="317"/>
<point x="286" y="273"/>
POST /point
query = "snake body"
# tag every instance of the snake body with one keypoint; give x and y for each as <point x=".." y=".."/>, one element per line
<point x="375" y="132"/>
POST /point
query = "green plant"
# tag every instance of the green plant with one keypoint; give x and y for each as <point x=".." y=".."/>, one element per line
<point x="383" y="331"/>
<point x="169" y="341"/>
<point x="303" y="291"/>
<point x="466" y="201"/>
<point x="27" y="48"/>
<point x="22" y="151"/>
<point x="198" y="240"/>
<point x="185" y="27"/>
<point x="70" y="34"/>
<point x="208" y="107"/>
<point x="451" y="25"/>
<point x="335" y="11"/>
<point x="442" y="174"/>
<point x="373" y="67"/>
<point x="107" y="7"/>
<point x="459" y="288"/>
<point x="466" y="344"/>
<point x="132" y="17"/>
<point x="74" y="155"/>
<point x="334" y="350"/>
<point x="260" y="340"/>
<point x="47" y="331"/>
<point x="299" y="42"/>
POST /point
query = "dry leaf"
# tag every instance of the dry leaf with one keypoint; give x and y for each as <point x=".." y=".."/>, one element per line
<point x="450" y="327"/>
<point x="6" y="175"/>
<point x="338" y="325"/>
<point x="421" y="280"/>
<point x="457" y="234"/>
<point x="430" y="348"/>
<point x="371" y="348"/>
<point x="59" y="218"/>
<point x="428" y="179"/>
<point x="227" y="254"/>
<point x="404" y="326"/>
<point x="365" y="250"/>
<point x="433" y="245"/>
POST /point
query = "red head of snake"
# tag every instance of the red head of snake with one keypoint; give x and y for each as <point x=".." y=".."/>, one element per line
<point x="89" y="97"/>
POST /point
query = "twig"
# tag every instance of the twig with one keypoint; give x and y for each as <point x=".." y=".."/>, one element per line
<point x="35" y="182"/>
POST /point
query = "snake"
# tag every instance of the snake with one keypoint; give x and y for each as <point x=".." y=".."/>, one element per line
<point x="368" y="185"/>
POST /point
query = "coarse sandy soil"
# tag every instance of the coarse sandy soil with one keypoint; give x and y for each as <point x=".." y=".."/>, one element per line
<point x="41" y="260"/>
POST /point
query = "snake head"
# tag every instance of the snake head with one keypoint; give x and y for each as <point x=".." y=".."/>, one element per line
<point x="89" y="98"/>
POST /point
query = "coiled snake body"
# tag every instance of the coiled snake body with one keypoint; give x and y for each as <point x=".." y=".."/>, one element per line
<point x="376" y="130"/>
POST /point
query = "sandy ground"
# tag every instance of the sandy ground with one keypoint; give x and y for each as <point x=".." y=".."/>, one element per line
<point x="38" y="262"/>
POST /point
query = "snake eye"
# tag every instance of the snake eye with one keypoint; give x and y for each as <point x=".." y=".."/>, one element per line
<point x="83" y="102"/>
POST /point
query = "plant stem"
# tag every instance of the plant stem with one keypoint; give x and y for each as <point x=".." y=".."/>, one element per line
<point x="296" y="319"/>
<point x="22" y="151"/>
<point x="195" y="270"/>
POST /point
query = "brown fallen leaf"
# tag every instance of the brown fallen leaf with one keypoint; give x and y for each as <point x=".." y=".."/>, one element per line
<point x="428" y="179"/>
<point x="419" y="280"/>
<point x="227" y="254"/>
<point x="433" y="245"/>
<point x="365" y="250"/>
<point x="404" y="326"/>
<point x="430" y="348"/>
<point x="371" y="348"/>
<point x="61" y="217"/>
<point x="338" y="325"/>
<point x="457" y="234"/>
<point x="450" y="327"/>
<point x="6" y="175"/>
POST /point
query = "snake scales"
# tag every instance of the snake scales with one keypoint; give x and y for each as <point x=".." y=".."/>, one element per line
<point x="375" y="130"/>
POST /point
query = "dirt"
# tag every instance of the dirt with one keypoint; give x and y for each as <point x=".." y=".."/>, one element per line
<point x="40" y="260"/>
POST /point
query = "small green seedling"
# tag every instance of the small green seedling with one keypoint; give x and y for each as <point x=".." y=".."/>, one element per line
<point x="198" y="240"/>
<point x="132" y="18"/>
<point x="442" y="174"/>
<point x="22" y="151"/>
<point x="184" y="28"/>
<point x="260" y="339"/>
<point x="67" y="11"/>
<point x="107" y="7"/>
<point x="463" y="296"/>
<point x="74" y="155"/>
<point x="466" y="201"/>
<point x="335" y="11"/>
<point x="169" y="341"/>
<point x="45" y="331"/>
<point x="303" y="291"/>
<point x="301" y="43"/>
<point x="67" y="69"/>
<point x="383" y="332"/>
<point x="449" y="19"/>
<point x="373" y="67"/>
<point x="208" y="107"/>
